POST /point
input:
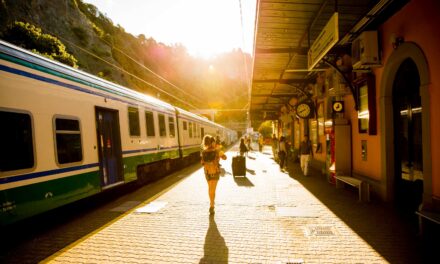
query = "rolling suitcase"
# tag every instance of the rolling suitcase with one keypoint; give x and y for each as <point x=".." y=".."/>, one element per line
<point x="239" y="166"/>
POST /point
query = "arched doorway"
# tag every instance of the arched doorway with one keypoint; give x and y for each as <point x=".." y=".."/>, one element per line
<point x="397" y="88"/>
<point x="408" y="147"/>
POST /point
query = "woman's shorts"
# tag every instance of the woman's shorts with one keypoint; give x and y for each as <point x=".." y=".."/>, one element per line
<point x="210" y="177"/>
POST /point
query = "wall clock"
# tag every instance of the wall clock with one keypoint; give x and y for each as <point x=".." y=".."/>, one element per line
<point x="338" y="106"/>
<point x="304" y="110"/>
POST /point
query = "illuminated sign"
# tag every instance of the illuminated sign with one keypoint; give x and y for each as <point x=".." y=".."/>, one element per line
<point x="328" y="37"/>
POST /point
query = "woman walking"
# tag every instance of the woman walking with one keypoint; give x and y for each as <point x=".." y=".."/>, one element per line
<point x="210" y="159"/>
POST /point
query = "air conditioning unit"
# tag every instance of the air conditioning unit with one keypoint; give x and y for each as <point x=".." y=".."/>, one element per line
<point x="365" y="51"/>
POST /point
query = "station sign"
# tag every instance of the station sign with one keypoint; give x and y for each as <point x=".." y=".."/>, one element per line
<point x="328" y="37"/>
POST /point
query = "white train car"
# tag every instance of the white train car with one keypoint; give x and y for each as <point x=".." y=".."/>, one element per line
<point x="67" y="135"/>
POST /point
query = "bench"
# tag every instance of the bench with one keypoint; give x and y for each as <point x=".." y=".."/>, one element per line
<point x="362" y="186"/>
<point x="432" y="216"/>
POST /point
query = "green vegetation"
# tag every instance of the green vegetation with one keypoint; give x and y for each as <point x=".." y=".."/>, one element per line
<point x="266" y="129"/>
<point x="104" y="49"/>
<point x="81" y="34"/>
<point x="97" y="30"/>
<point x="31" y="37"/>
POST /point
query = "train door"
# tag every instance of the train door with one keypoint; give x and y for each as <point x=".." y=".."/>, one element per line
<point x="408" y="137"/>
<point x="163" y="138"/>
<point x="109" y="147"/>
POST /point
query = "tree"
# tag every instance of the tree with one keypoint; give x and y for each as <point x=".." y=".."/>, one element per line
<point x="266" y="129"/>
<point x="32" y="38"/>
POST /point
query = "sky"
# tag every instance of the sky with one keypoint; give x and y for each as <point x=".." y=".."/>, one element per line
<point x="205" y="27"/>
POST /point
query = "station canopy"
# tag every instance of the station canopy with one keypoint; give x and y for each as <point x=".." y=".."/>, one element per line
<point x="285" y="31"/>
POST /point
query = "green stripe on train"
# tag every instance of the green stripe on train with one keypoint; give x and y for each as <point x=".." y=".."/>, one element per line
<point x="189" y="151"/>
<point x="131" y="163"/>
<point x="22" y="202"/>
<point x="44" y="196"/>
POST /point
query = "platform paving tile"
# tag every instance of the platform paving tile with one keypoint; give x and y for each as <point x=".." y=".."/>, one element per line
<point x="245" y="229"/>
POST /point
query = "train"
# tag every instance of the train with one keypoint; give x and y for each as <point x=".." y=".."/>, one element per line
<point x="66" y="135"/>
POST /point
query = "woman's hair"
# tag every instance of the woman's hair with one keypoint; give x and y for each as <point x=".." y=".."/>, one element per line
<point x="207" y="141"/>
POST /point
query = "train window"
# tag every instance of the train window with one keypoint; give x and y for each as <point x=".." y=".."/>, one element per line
<point x="171" y="126"/>
<point x="185" y="127"/>
<point x="202" y="132"/>
<point x="149" y="121"/>
<point x="68" y="140"/>
<point x="162" y="127"/>
<point x="190" y="125"/>
<point x="16" y="140"/>
<point x="194" y="130"/>
<point x="133" y="121"/>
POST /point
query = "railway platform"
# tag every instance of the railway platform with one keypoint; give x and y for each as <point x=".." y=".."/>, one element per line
<point x="269" y="216"/>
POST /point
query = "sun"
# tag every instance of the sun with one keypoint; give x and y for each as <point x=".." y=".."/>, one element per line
<point x="211" y="28"/>
<point x="205" y="27"/>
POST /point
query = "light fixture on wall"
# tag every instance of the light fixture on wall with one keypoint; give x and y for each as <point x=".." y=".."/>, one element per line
<point x="396" y="40"/>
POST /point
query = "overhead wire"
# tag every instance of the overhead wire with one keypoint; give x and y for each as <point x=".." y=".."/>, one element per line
<point x="125" y="71"/>
<point x="129" y="73"/>
<point x="155" y="74"/>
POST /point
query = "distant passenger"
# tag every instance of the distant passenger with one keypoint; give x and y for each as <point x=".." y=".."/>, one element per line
<point x="210" y="159"/>
<point x="243" y="148"/>
<point x="260" y="143"/>
<point x="282" y="152"/>
<point x="219" y="147"/>
<point x="248" y="142"/>
<point x="306" y="153"/>
<point x="275" y="147"/>
<point x="218" y="142"/>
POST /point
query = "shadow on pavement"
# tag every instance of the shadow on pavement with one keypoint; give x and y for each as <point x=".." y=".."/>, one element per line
<point x="215" y="249"/>
<point x="250" y="171"/>
<point x="390" y="233"/>
<point x="32" y="240"/>
<point x="243" y="181"/>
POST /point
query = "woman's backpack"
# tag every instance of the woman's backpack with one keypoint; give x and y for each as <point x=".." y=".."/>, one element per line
<point x="210" y="163"/>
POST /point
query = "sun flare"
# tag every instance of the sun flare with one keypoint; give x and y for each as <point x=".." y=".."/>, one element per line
<point x="208" y="28"/>
<point x="205" y="27"/>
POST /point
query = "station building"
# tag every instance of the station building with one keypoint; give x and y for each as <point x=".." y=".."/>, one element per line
<point x="362" y="87"/>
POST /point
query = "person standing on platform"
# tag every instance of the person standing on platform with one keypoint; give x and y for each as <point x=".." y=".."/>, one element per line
<point x="282" y="152"/>
<point x="306" y="153"/>
<point x="219" y="147"/>
<point x="248" y="141"/>
<point x="260" y="143"/>
<point x="218" y="143"/>
<point x="243" y="148"/>
<point x="210" y="159"/>
<point x="275" y="147"/>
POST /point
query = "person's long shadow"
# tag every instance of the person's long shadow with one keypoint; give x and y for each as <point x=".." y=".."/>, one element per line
<point x="215" y="249"/>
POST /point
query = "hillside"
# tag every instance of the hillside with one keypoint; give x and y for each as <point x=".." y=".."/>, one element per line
<point x="106" y="50"/>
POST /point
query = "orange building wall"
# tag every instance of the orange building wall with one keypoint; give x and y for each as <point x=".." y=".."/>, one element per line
<point x="418" y="22"/>
<point x="370" y="167"/>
